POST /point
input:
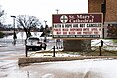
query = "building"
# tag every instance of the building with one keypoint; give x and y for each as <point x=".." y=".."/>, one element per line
<point x="109" y="10"/>
<point x="94" y="6"/>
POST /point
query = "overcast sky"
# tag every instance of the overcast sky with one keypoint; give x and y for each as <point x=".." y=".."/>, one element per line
<point x="43" y="9"/>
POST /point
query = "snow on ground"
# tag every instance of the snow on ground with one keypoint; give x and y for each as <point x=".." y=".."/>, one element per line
<point x="107" y="44"/>
<point x="43" y="53"/>
<point x="35" y="54"/>
<point x="96" y="42"/>
<point x="89" y="68"/>
<point x="22" y="35"/>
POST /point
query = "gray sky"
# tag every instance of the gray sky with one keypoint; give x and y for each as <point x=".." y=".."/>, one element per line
<point x="43" y="9"/>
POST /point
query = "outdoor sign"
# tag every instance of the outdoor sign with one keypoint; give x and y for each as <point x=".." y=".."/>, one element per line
<point x="110" y="30"/>
<point x="77" y="26"/>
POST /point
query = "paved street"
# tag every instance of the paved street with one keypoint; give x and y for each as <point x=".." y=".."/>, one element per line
<point x="8" y="60"/>
<point x="12" y="51"/>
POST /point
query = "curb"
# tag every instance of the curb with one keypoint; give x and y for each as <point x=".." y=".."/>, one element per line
<point x="28" y="60"/>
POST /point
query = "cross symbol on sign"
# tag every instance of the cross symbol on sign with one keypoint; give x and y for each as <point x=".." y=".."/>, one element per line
<point x="63" y="18"/>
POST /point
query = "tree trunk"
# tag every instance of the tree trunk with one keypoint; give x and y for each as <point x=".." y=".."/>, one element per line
<point x="77" y="45"/>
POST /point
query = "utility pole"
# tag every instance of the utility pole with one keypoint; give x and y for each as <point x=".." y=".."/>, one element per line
<point x="14" y="33"/>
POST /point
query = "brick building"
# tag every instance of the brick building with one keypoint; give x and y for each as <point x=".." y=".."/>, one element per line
<point x="94" y="6"/>
<point x="110" y="15"/>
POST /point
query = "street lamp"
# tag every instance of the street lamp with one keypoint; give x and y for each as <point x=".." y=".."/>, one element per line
<point x="45" y="32"/>
<point x="57" y="10"/>
<point x="14" y="34"/>
<point x="58" y="44"/>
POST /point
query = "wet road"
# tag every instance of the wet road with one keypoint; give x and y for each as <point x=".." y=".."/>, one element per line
<point x="8" y="61"/>
<point x="12" y="51"/>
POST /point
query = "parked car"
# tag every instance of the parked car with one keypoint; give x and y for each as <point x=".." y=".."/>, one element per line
<point x="34" y="44"/>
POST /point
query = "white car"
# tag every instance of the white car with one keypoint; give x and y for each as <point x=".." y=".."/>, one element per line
<point x="33" y="43"/>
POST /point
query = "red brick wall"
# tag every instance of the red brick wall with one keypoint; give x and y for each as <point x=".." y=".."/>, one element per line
<point x="94" y="6"/>
<point x="111" y="9"/>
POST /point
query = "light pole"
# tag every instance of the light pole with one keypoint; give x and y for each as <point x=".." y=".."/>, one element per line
<point x="45" y="31"/>
<point x="14" y="34"/>
<point x="58" y="43"/>
<point x="57" y="10"/>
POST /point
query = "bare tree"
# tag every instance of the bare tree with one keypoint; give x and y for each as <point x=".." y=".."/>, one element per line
<point x="27" y="23"/>
<point x="2" y="13"/>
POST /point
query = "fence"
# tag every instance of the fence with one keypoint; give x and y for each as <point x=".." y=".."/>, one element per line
<point x="103" y="48"/>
